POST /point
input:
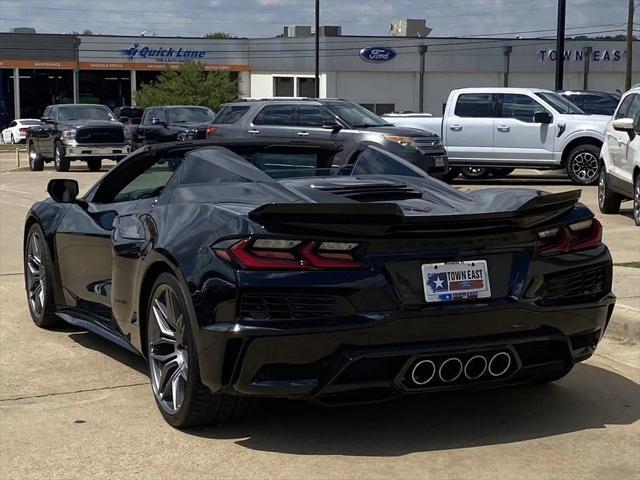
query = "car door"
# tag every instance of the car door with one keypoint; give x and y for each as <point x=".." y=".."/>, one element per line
<point x="618" y="141"/>
<point x="274" y="121"/>
<point x="309" y="124"/>
<point x="47" y="136"/>
<point x="468" y="128"/>
<point x="517" y="137"/>
<point x="83" y="239"/>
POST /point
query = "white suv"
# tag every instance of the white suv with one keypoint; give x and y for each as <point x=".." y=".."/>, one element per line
<point x="620" y="157"/>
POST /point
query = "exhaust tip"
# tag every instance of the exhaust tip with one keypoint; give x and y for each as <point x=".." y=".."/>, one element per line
<point x="450" y="370"/>
<point x="499" y="364"/>
<point x="423" y="372"/>
<point x="475" y="367"/>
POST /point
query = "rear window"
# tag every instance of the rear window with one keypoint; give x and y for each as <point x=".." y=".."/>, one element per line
<point x="29" y="122"/>
<point x="230" y="114"/>
<point x="474" y="105"/>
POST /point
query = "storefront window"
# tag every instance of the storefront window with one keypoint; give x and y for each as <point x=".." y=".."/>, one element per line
<point x="283" y="86"/>
<point x="106" y="87"/>
<point x="7" y="114"/>
<point x="39" y="88"/>
<point x="307" y="87"/>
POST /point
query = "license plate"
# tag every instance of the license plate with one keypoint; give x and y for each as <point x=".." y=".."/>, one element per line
<point x="439" y="161"/>
<point x="445" y="282"/>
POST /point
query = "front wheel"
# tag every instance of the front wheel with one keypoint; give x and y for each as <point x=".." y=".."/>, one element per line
<point x="608" y="201"/>
<point x="451" y="174"/>
<point x="13" y="140"/>
<point x="38" y="275"/>
<point x="475" y="173"/>
<point x="61" y="162"/>
<point x="173" y="363"/>
<point x="583" y="166"/>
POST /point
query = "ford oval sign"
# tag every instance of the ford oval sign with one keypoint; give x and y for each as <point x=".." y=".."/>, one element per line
<point x="377" y="54"/>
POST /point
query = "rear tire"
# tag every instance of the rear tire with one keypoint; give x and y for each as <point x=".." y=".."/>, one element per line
<point x="608" y="201"/>
<point x="583" y="165"/>
<point x="61" y="162"/>
<point x="173" y="362"/>
<point x="38" y="272"/>
<point x="13" y="140"/>
<point x="94" y="164"/>
<point x="475" y="173"/>
<point x="36" y="162"/>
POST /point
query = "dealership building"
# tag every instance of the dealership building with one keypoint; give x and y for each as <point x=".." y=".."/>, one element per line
<point x="383" y="73"/>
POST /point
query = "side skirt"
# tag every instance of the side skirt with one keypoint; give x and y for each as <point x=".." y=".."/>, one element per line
<point x="99" y="330"/>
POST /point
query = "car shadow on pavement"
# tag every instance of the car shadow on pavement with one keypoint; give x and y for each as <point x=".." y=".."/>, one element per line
<point x="523" y="181"/>
<point x="588" y="398"/>
<point x="95" y="342"/>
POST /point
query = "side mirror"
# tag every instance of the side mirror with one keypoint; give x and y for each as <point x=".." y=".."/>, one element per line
<point x="63" y="190"/>
<point x="130" y="237"/>
<point x="542" y="117"/>
<point x="333" y="126"/>
<point x="46" y="120"/>
<point x="123" y="119"/>
<point x="623" y="124"/>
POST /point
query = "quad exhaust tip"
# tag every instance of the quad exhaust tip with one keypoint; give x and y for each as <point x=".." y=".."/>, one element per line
<point x="453" y="368"/>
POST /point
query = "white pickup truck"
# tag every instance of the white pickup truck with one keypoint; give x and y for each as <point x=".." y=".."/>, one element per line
<point x="494" y="130"/>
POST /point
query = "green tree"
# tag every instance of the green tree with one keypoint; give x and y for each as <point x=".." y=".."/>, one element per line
<point x="219" y="35"/>
<point x="190" y="85"/>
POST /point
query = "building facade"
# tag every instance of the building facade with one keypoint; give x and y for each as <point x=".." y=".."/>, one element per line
<point x="383" y="73"/>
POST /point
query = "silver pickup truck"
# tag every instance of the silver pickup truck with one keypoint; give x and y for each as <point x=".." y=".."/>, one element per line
<point x="494" y="130"/>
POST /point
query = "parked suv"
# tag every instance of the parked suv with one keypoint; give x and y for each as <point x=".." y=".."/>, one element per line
<point x="170" y="123"/>
<point x="506" y="128"/>
<point x="620" y="157"/>
<point x="350" y="125"/>
<point x="75" y="132"/>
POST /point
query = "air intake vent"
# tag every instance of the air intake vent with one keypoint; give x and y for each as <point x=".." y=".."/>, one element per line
<point x="258" y="306"/>
<point x="576" y="283"/>
<point x="371" y="192"/>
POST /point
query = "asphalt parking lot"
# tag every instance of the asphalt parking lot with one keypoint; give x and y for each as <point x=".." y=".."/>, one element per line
<point x="72" y="405"/>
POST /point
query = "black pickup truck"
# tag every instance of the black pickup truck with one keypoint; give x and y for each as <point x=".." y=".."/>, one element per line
<point x="172" y="123"/>
<point x="75" y="132"/>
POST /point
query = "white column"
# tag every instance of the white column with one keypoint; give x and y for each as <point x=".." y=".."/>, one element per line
<point x="244" y="84"/>
<point x="133" y="88"/>
<point x="16" y="92"/>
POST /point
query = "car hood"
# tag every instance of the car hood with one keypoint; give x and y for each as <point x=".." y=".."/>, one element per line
<point x="406" y="131"/>
<point x="90" y="123"/>
<point x="594" y="119"/>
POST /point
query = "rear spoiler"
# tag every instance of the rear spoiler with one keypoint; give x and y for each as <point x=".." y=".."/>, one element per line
<point x="326" y="216"/>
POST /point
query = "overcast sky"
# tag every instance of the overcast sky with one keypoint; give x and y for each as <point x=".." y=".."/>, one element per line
<point x="265" y="18"/>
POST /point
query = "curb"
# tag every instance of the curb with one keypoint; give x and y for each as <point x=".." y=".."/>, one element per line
<point x="625" y="324"/>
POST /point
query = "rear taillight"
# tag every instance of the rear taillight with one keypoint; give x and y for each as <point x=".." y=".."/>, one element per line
<point x="23" y="131"/>
<point x="211" y="131"/>
<point x="280" y="254"/>
<point x="569" y="238"/>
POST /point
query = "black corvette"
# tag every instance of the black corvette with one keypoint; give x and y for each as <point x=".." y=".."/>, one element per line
<point x="250" y="269"/>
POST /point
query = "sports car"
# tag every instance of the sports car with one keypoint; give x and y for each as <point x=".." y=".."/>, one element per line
<point x="248" y="269"/>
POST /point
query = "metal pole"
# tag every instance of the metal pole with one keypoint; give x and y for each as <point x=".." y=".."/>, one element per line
<point x="16" y="93"/>
<point x="507" y="64"/>
<point x="562" y="7"/>
<point x="317" y="48"/>
<point x="587" y="59"/>
<point x="627" y="73"/>
<point x="76" y="71"/>
<point x="423" y="61"/>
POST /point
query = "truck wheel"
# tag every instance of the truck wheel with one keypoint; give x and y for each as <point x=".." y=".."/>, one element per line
<point x="61" y="162"/>
<point x="475" y="173"/>
<point x="608" y="201"/>
<point x="501" y="172"/>
<point x="36" y="162"/>
<point x="583" y="166"/>
<point x="94" y="164"/>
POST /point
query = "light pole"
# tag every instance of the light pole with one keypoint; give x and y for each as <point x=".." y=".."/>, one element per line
<point x="627" y="73"/>
<point x="562" y="8"/>
<point x="317" y="49"/>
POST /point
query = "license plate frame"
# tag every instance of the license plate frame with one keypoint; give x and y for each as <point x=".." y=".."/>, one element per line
<point x="451" y="281"/>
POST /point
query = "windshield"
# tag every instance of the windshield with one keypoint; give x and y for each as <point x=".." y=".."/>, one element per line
<point x="84" y="112"/>
<point x="190" y="115"/>
<point x="561" y="104"/>
<point x="356" y="116"/>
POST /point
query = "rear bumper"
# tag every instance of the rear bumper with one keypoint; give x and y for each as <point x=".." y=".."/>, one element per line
<point x="330" y="365"/>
